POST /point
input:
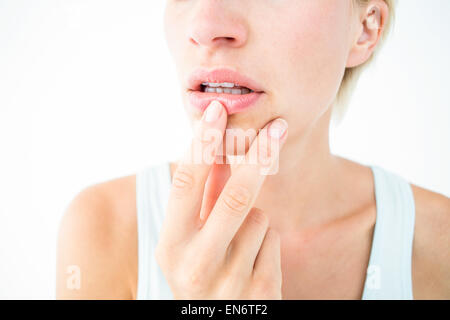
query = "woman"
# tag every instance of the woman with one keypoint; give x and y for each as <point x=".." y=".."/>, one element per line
<point x="315" y="226"/>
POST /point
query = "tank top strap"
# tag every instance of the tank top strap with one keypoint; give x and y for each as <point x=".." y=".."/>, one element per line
<point x="389" y="272"/>
<point x="152" y="195"/>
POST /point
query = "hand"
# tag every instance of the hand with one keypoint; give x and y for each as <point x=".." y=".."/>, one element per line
<point x="231" y="253"/>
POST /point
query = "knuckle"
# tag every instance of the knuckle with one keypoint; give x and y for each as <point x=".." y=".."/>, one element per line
<point x="236" y="199"/>
<point x="272" y="238"/>
<point x="195" y="276"/>
<point x="183" y="180"/>
<point x="259" y="218"/>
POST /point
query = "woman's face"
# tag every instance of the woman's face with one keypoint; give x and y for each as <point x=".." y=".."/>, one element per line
<point x="296" y="50"/>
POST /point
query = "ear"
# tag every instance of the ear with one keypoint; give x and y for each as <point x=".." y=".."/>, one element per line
<point x="370" y="27"/>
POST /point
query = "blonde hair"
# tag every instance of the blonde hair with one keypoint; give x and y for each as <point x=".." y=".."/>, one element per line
<point x="351" y="75"/>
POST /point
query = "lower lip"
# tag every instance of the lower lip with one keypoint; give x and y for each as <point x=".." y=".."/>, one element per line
<point x="234" y="103"/>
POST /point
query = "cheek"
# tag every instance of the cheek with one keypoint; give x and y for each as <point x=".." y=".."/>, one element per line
<point x="170" y="29"/>
<point x="312" y="54"/>
<point x="174" y="21"/>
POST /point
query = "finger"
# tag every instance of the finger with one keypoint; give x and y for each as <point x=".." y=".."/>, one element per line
<point x="189" y="178"/>
<point x="218" y="176"/>
<point x="242" y="188"/>
<point x="246" y="244"/>
<point x="267" y="265"/>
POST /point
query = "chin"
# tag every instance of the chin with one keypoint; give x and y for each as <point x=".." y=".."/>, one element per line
<point x="237" y="140"/>
<point x="242" y="129"/>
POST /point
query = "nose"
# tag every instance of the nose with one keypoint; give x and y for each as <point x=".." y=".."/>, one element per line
<point x="218" y="23"/>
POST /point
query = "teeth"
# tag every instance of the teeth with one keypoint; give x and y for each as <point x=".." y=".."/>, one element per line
<point x="225" y="87"/>
<point x="227" y="90"/>
<point x="223" y="84"/>
<point x="228" y="85"/>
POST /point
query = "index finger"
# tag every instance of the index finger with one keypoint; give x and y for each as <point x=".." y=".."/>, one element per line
<point x="190" y="175"/>
<point x="242" y="188"/>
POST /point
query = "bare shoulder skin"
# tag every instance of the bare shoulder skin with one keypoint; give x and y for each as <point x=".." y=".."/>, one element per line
<point x="98" y="233"/>
<point x="431" y="250"/>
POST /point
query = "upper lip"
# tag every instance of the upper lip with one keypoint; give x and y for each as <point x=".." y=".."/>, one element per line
<point x="220" y="75"/>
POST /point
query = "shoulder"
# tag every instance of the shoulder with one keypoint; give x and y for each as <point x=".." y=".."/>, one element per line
<point x="431" y="256"/>
<point x="98" y="234"/>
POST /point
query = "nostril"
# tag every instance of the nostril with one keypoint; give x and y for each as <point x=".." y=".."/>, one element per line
<point x="226" y="39"/>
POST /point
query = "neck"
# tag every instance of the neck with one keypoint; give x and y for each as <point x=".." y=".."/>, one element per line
<point x="307" y="174"/>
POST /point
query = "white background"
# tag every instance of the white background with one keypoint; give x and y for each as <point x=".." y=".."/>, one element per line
<point x="81" y="87"/>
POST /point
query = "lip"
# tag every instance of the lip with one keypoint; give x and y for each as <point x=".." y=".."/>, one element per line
<point x="232" y="102"/>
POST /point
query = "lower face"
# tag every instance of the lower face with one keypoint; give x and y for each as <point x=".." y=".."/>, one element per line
<point x="295" y="49"/>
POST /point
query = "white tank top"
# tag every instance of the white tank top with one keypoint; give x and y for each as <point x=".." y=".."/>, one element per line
<point x="389" y="272"/>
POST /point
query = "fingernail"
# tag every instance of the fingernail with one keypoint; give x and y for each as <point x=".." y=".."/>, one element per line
<point x="277" y="128"/>
<point x="213" y="111"/>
